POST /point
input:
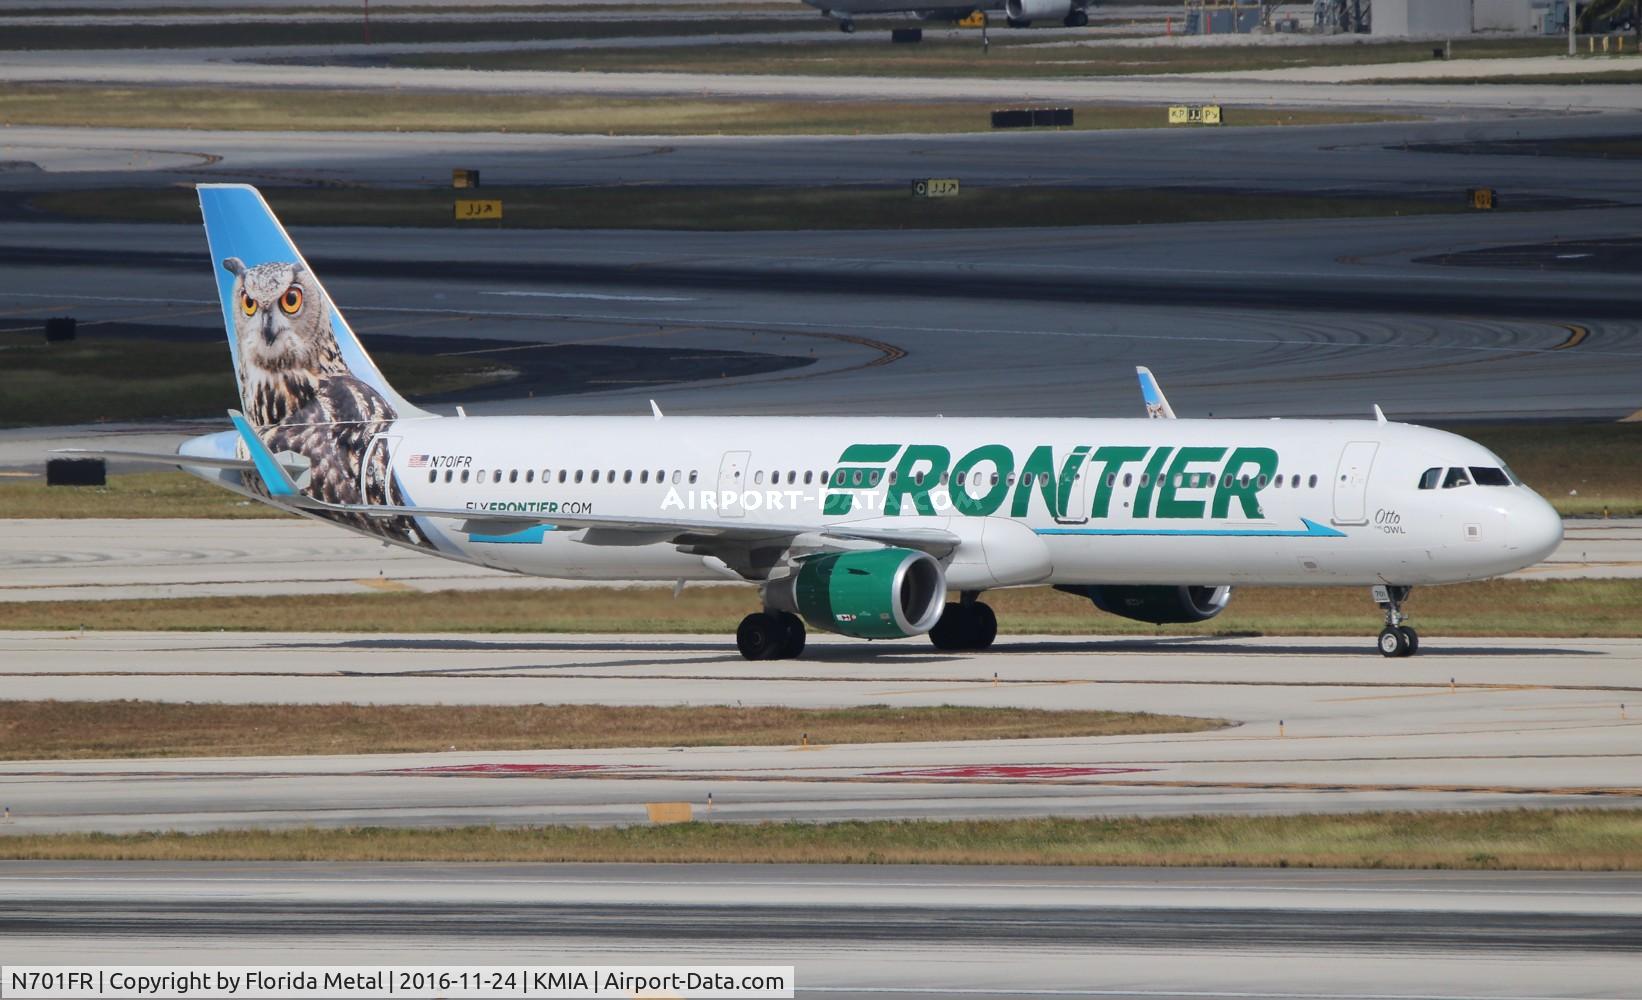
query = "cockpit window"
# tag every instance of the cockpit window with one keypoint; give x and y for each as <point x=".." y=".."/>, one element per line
<point x="1482" y="475"/>
<point x="1456" y="477"/>
<point x="1430" y="478"/>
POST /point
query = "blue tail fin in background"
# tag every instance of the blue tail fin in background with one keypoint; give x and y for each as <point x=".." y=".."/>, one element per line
<point x="287" y="338"/>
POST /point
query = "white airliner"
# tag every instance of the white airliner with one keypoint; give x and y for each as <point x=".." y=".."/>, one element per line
<point x="1017" y="13"/>
<point x="860" y="525"/>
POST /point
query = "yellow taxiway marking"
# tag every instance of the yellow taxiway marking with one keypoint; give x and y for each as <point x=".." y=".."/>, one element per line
<point x="384" y="584"/>
<point x="1576" y="336"/>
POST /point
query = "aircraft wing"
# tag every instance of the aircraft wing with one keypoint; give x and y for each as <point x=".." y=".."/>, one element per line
<point x="161" y="458"/>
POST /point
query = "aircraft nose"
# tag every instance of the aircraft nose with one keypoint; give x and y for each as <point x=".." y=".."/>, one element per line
<point x="1536" y="527"/>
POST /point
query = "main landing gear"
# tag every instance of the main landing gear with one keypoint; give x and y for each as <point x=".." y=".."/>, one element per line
<point x="1396" y="639"/>
<point x="770" y="635"/>
<point x="965" y="624"/>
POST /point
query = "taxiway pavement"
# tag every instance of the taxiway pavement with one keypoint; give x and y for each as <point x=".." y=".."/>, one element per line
<point x="868" y="931"/>
<point x="1321" y="725"/>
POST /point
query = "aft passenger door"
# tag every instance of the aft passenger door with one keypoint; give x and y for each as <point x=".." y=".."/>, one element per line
<point x="732" y="482"/>
<point x="1351" y="482"/>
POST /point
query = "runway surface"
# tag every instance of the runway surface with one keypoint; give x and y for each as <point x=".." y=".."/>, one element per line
<point x="96" y="559"/>
<point x="1321" y="725"/>
<point x="855" y="931"/>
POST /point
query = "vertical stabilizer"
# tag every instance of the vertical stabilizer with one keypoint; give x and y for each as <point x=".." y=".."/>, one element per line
<point x="287" y="337"/>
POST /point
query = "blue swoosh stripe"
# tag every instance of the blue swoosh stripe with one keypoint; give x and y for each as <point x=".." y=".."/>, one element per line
<point x="525" y="536"/>
<point x="1312" y="530"/>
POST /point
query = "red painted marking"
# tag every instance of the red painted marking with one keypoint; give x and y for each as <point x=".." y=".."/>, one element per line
<point x="503" y="769"/>
<point x="1009" y="771"/>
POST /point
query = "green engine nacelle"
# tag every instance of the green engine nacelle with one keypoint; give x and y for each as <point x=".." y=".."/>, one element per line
<point x="874" y="594"/>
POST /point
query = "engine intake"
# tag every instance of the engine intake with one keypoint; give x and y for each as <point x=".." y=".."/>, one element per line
<point x="1166" y="605"/>
<point x="873" y="594"/>
<point x="1036" y="10"/>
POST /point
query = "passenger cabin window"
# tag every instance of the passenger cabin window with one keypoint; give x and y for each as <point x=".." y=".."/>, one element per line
<point x="1430" y="478"/>
<point x="433" y="475"/>
<point x="1456" y="477"/>
<point x="447" y="475"/>
<point x="692" y="477"/>
<point x="465" y="475"/>
<point x="579" y="475"/>
<point x="1312" y="483"/>
<point x="530" y="475"/>
<point x="481" y="475"/>
<point x="1488" y="476"/>
<point x="562" y="476"/>
<point x="513" y="475"/>
<point x="595" y="475"/>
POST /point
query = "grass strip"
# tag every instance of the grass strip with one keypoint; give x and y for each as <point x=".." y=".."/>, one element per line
<point x="1540" y="840"/>
<point x="127" y="378"/>
<point x="322" y="110"/>
<point x="1011" y="55"/>
<point x="295" y="29"/>
<point x="1607" y="608"/>
<point x="136" y="495"/>
<point x="1594" y="77"/>
<point x="70" y="730"/>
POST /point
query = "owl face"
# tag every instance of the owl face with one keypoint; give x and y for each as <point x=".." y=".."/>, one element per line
<point x="281" y="317"/>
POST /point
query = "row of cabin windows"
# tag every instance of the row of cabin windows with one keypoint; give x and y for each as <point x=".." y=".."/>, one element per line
<point x="871" y="477"/>
<point x="1456" y="477"/>
<point x="565" y="476"/>
<point x="1187" y="480"/>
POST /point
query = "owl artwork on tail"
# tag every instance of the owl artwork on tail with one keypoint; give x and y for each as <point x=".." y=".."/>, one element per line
<point x="300" y="395"/>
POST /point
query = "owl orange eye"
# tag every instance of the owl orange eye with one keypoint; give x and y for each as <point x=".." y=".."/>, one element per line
<point x="248" y="304"/>
<point x="291" y="301"/>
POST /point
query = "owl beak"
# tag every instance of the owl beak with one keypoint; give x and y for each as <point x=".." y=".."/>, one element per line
<point x="269" y="334"/>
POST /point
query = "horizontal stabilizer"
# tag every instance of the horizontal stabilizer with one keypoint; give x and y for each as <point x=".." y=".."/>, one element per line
<point x="174" y="458"/>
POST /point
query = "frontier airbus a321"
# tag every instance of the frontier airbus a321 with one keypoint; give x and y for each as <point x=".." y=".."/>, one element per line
<point x="859" y="526"/>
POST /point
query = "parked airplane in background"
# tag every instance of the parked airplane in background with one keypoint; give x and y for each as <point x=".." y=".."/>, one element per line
<point x="859" y="526"/>
<point x="1017" y="13"/>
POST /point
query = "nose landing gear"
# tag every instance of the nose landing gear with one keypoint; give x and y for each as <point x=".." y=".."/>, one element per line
<point x="1396" y="639"/>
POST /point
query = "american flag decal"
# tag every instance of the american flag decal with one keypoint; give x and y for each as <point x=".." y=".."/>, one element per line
<point x="419" y="461"/>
